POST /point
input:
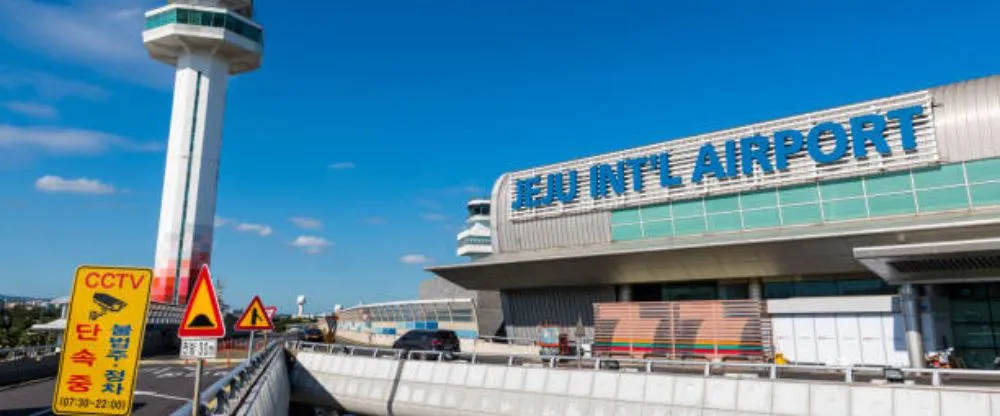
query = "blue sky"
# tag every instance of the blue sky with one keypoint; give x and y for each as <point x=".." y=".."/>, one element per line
<point x="377" y="120"/>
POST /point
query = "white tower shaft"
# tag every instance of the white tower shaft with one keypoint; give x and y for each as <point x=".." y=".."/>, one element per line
<point x="187" y="213"/>
<point x="206" y="41"/>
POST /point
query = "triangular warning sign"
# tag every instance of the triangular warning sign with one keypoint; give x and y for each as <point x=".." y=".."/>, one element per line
<point x="254" y="318"/>
<point x="202" y="318"/>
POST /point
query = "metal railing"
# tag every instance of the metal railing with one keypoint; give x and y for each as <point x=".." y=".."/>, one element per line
<point x="32" y="352"/>
<point x="847" y="374"/>
<point x="227" y="395"/>
<point x="506" y="340"/>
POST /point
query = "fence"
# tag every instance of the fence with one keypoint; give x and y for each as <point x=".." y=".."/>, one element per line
<point x="848" y="374"/>
<point x="709" y="329"/>
<point x="246" y="383"/>
<point x="395" y="318"/>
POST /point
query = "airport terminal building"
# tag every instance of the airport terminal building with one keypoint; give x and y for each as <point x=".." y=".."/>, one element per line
<point x="866" y="229"/>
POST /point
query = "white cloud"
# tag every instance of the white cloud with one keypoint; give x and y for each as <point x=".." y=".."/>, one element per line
<point x="261" y="229"/>
<point x="32" y="109"/>
<point x="69" y="141"/>
<point x="434" y="217"/>
<point x="100" y="35"/>
<point x="307" y="223"/>
<point x="48" y="86"/>
<point x="221" y="222"/>
<point x="312" y="244"/>
<point x="415" y="259"/>
<point x="51" y="183"/>
<point x="342" y="165"/>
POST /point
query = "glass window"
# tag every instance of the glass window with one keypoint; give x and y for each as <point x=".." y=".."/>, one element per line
<point x="688" y="208"/>
<point x="942" y="199"/>
<point x="845" y="209"/>
<point x="945" y="175"/>
<point x="892" y="204"/>
<point x="874" y="286"/>
<point x="724" y="222"/>
<point x="891" y="183"/>
<point x="734" y="291"/>
<point x="658" y="228"/>
<point x="656" y="212"/>
<point x="799" y="194"/>
<point x="759" y="199"/>
<point x="626" y="232"/>
<point x="983" y="170"/>
<point x="652" y="292"/>
<point x="625" y="216"/>
<point x="985" y="194"/>
<point x="689" y="226"/>
<point x="691" y="291"/>
<point x="722" y="204"/>
<point x="816" y="288"/>
<point x="761" y="218"/>
<point x="841" y="189"/>
<point x="801" y="214"/>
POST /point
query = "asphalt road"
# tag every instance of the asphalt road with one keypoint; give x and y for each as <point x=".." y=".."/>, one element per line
<point x="162" y="389"/>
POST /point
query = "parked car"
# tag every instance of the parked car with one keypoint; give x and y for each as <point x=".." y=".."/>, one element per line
<point x="313" y="335"/>
<point x="429" y="340"/>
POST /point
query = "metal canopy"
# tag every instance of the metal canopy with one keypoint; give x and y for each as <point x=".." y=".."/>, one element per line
<point x="795" y="251"/>
<point x="934" y="262"/>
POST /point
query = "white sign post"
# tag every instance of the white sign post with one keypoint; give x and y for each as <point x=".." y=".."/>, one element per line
<point x="199" y="348"/>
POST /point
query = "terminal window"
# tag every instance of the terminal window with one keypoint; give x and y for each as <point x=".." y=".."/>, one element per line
<point x="965" y="186"/>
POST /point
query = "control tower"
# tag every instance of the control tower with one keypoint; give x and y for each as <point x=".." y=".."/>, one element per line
<point x="207" y="41"/>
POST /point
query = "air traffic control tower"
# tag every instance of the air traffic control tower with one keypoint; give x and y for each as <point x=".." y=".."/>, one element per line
<point x="207" y="41"/>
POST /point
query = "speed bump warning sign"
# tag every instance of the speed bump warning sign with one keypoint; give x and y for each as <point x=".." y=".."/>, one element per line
<point x="202" y="318"/>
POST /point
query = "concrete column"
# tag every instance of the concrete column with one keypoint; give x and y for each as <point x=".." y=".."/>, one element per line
<point x="756" y="290"/>
<point x="625" y="293"/>
<point x="909" y="302"/>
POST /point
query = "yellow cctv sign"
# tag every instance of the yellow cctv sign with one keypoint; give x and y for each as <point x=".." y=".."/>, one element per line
<point x="106" y="321"/>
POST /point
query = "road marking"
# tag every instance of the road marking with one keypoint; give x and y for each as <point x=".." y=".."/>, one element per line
<point x="162" y="396"/>
<point x="41" y="412"/>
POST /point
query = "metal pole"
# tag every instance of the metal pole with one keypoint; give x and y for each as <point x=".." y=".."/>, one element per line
<point x="197" y="388"/>
<point x="911" y="318"/>
<point x="250" y="348"/>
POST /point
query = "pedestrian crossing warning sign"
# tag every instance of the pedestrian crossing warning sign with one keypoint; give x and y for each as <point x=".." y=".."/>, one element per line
<point x="202" y="318"/>
<point x="254" y="318"/>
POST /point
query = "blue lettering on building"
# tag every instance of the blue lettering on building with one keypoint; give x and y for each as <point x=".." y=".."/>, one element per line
<point x="824" y="143"/>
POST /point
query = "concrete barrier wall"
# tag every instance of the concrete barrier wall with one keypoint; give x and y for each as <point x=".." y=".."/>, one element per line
<point x="28" y="368"/>
<point x="365" y="385"/>
<point x="272" y="393"/>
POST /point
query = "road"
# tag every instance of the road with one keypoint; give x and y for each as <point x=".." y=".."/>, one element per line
<point x="163" y="387"/>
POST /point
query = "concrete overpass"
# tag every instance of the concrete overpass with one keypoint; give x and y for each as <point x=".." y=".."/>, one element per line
<point x="338" y="378"/>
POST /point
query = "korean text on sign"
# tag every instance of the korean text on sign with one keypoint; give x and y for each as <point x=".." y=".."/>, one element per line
<point x="106" y="321"/>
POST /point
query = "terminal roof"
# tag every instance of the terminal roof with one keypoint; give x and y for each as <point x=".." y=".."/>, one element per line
<point x="791" y="251"/>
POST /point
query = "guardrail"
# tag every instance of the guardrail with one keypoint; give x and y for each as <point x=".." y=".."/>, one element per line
<point x="227" y="395"/>
<point x="20" y="353"/>
<point x="506" y="340"/>
<point x="847" y="374"/>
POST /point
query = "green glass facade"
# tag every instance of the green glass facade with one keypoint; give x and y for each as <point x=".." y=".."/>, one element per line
<point x="958" y="186"/>
<point x="228" y="21"/>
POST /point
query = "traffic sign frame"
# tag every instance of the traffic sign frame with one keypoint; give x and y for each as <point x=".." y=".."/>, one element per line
<point x="204" y="283"/>
<point x="255" y="306"/>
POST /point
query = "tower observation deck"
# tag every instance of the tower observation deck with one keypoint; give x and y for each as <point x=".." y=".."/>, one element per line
<point x="206" y="41"/>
